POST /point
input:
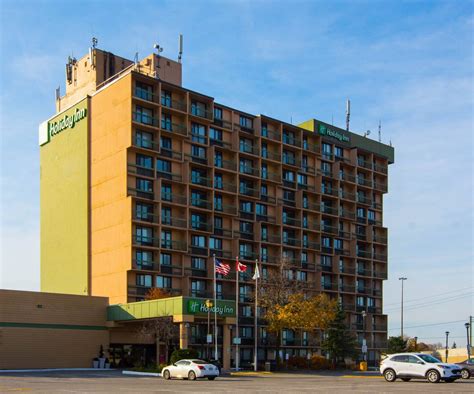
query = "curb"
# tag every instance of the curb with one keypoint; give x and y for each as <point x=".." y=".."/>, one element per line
<point x="136" y="373"/>
<point x="56" y="370"/>
<point x="250" y="373"/>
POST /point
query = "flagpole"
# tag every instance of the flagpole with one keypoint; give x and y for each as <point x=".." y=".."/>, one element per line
<point x="255" y="356"/>
<point x="215" y="310"/>
<point x="237" y="273"/>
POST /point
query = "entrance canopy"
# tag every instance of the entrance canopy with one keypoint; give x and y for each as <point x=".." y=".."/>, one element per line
<point x="173" y="306"/>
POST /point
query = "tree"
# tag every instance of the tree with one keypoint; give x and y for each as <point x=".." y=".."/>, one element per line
<point x="155" y="293"/>
<point x="161" y="329"/>
<point x="338" y="341"/>
<point x="454" y="345"/>
<point x="396" y="345"/>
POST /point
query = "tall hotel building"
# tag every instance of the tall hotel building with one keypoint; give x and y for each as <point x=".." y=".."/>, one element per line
<point x="143" y="181"/>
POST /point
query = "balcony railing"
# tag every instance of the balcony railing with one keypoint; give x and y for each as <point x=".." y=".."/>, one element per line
<point x="145" y="119"/>
<point x="364" y="164"/>
<point x="180" y="105"/>
<point x="145" y="143"/>
<point x="173" y="221"/>
<point x="225" y="164"/>
<point x="248" y="191"/>
<point x="169" y="175"/>
<point x="146" y="241"/>
<point x="325" y="228"/>
<point x="347" y="195"/>
<point x="380" y="274"/>
<point x="175" y="198"/>
<point x="270" y="134"/>
<point x="200" y="203"/>
<point x="380" y="256"/>
<point x="291" y="241"/>
<point x="328" y="209"/>
<point x="173" y="154"/>
<point x="145" y="94"/>
<point x="248" y="170"/>
<point x="174" y="128"/>
<point x="145" y="217"/>
<point x="268" y="154"/>
<point x="364" y="182"/>
<point x="290" y="140"/>
<point x="347" y="177"/>
<point x="380" y="239"/>
<point x="291" y="221"/>
<point x="364" y="253"/>
<point x="380" y="168"/>
<point x="141" y="170"/>
<point x="148" y="194"/>
<point x="380" y="186"/>
<point x="248" y="148"/>
<point x="174" y="245"/>
<point x="200" y="180"/>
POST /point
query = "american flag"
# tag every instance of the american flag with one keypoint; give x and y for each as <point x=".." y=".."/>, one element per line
<point x="222" y="268"/>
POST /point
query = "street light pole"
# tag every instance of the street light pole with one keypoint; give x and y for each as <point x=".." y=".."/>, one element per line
<point x="364" y="341"/>
<point x="403" y="280"/>
<point x="447" y="335"/>
<point x="467" y="325"/>
<point x="209" y="306"/>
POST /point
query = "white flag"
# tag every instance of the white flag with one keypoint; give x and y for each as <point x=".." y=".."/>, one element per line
<point x="256" y="275"/>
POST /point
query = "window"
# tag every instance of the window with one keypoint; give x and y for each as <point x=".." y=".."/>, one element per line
<point x="198" y="109"/>
<point x="245" y="122"/>
<point x="198" y="263"/>
<point x="338" y="151"/>
<point x="326" y="261"/>
<point x="144" y="235"/>
<point x="264" y="189"/>
<point x="371" y="215"/>
<point x="327" y="150"/>
<point x="245" y="250"/>
<point x="400" y="359"/>
<point x="218" y="202"/>
<point x="198" y="133"/>
<point x="198" y="176"/>
<point x="166" y="242"/>
<point x="218" y="183"/>
<point x="166" y="215"/>
<point x="197" y="287"/>
<point x="217" y="222"/>
<point x="264" y="170"/>
<point x="198" y="220"/>
<point x="302" y="276"/>
<point x="144" y="139"/>
<point x="166" y="122"/>
<point x="264" y="150"/>
<point x="143" y="91"/>
<point x="288" y="176"/>
<point x="326" y="241"/>
<point x="264" y="254"/>
<point x="144" y="211"/>
<point x="302" y="179"/>
<point x="198" y="241"/>
<point x="246" y="311"/>
<point x="264" y="233"/>
<point x="305" y="221"/>
<point x="165" y="259"/>
<point x="165" y="143"/>
<point x="338" y="244"/>
<point x="163" y="282"/>
<point x="246" y="166"/>
<point x="326" y="168"/>
<point x="143" y="115"/>
<point x="246" y="206"/>
<point x="163" y="166"/>
<point x="215" y="243"/>
<point x="143" y="258"/>
<point x="361" y="213"/>
<point x="289" y="137"/>
<point x="246" y="227"/>
<point x="261" y="209"/>
<point x="304" y="257"/>
<point x="289" y="157"/>
<point x="144" y="280"/>
<point x="198" y="198"/>
<point x="166" y="98"/>
<point x="217" y="113"/>
<point x="305" y="143"/>
<point x="264" y="131"/>
<point x="144" y="161"/>
<point x="166" y="192"/>
<point x="218" y="159"/>
<point x="198" y="151"/>
<point x="215" y="134"/>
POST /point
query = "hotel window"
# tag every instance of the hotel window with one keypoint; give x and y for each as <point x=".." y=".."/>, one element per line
<point x="197" y="220"/>
<point x="166" y="242"/>
<point x="219" y="288"/>
<point x="144" y="235"/>
<point x="264" y="233"/>
<point x="246" y="227"/>
<point x="144" y="212"/>
<point x="144" y="185"/>
<point x="326" y="261"/>
<point x="264" y="190"/>
<point x="143" y="115"/>
<point x="144" y="280"/>
<point x="218" y="159"/>
<point x="165" y="143"/>
<point x="305" y="338"/>
<point x="246" y="166"/>
<point x="261" y="209"/>
<point x="245" y="145"/>
<point x="304" y="163"/>
<point x="198" y="198"/>
<point x="326" y="168"/>
<point x="288" y="195"/>
<point x="217" y="222"/>
<point x="165" y="259"/>
<point x="218" y="183"/>
<point x="166" y="215"/>
<point x="264" y="254"/>
<point x="288" y="337"/>
<point x="166" y="122"/>
<point x="288" y="157"/>
<point x="198" y="241"/>
<point x="246" y="206"/>
<point x="144" y="161"/>
<point x="338" y="244"/>
<point x="245" y="122"/>
<point x="360" y="301"/>
<point x="305" y="143"/>
<point x="264" y="150"/>
<point x="371" y="216"/>
<point x="163" y="282"/>
<point x="305" y="220"/>
<point x="144" y="258"/>
<point x="338" y="151"/>
<point x="247" y="332"/>
<point x="302" y="276"/>
<point x="327" y="149"/>
<point x="198" y="176"/>
<point x="264" y="132"/>
<point x="215" y="243"/>
<point x="143" y="91"/>
<point x="246" y="311"/>
<point x="163" y="166"/>
<point x="264" y="169"/>
<point x="166" y="98"/>
<point x="197" y="287"/>
<point x="304" y="257"/>
<point x="144" y="139"/>
<point x="289" y="137"/>
<point x="361" y="213"/>
<point x="198" y="151"/>
<point x="198" y="133"/>
<point x="218" y="202"/>
<point x="288" y="176"/>
<point x="326" y="241"/>
<point x="166" y="192"/>
<point x="198" y="263"/>
<point x="305" y="240"/>
<point x="217" y="113"/>
<point x="245" y="250"/>
<point x="302" y="179"/>
<point x="215" y="134"/>
<point x="198" y="109"/>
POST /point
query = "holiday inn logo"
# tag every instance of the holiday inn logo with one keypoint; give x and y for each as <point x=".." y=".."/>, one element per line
<point x="326" y="131"/>
<point x="48" y="130"/>
<point x="223" y="308"/>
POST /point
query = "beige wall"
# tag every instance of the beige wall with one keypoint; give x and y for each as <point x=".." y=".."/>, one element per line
<point x="45" y="330"/>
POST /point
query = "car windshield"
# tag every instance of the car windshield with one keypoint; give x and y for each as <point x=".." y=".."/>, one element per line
<point x="200" y="362"/>
<point x="428" y="358"/>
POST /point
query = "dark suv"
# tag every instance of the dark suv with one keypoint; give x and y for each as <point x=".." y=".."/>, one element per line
<point x="467" y="368"/>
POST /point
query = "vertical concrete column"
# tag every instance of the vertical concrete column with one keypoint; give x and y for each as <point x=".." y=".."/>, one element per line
<point x="183" y="335"/>
<point x="226" y="347"/>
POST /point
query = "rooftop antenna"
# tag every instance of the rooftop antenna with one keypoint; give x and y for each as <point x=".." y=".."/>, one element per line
<point x="95" y="41"/>
<point x="380" y="131"/>
<point x="348" y="113"/>
<point x="367" y="133"/>
<point x="136" y="58"/>
<point x="180" y="54"/>
<point x="332" y="119"/>
<point x="158" y="49"/>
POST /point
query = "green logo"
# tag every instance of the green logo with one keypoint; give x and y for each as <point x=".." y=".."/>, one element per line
<point x="48" y="130"/>
<point x="326" y="131"/>
<point x="223" y="308"/>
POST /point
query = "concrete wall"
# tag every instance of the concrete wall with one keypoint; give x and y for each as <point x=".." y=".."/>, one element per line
<point x="45" y="330"/>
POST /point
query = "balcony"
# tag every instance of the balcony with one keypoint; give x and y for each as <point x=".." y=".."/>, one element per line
<point x="364" y="200"/>
<point x="347" y="178"/>
<point x="174" y="245"/>
<point x="348" y="307"/>
<point x="140" y="170"/>
<point x="346" y="288"/>
<point x="380" y="257"/>
<point x="145" y="94"/>
<point x="380" y="168"/>
<point x="330" y="192"/>
<point x="179" y="105"/>
<point x="341" y="252"/>
<point x="290" y="140"/>
<point x="172" y="154"/>
<point x="329" y="210"/>
<point x="201" y="112"/>
<point x="173" y="221"/>
<point x="380" y="274"/>
<point x="196" y="159"/>
<point x="249" y="256"/>
<point x="225" y="124"/>
<point x="222" y="232"/>
<point x="174" y="198"/>
<point x="200" y="203"/>
<point x="146" y="241"/>
<point x="291" y="242"/>
<point x="326" y="228"/>
<point x="329" y="286"/>
<point x="266" y="218"/>
<point x="245" y="235"/>
<point x="174" y="128"/>
<point x="314" y="148"/>
<point x="248" y="170"/>
<point x="364" y="182"/>
<point x="347" y="270"/>
<point x="360" y="236"/>
<point x="145" y="119"/>
<point x="325" y="267"/>
<point x="347" y="195"/>
<point x="145" y="143"/>
<point x="248" y="191"/>
<point x="248" y="148"/>
<point x="145" y="217"/>
<point x="379" y="327"/>
<point x="141" y="291"/>
<point x="291" y="221"/>
<point x="268" y="154"/>
<point x="225" y="186"/>
<point x="200" y="226"/>
<point x="381" y="187"/>
<point x="169" y="175"/>
<point x="228" y="209"/>
<point x="219" y="142"/>
<point x="270" y="134"/>
<point x="148" y="194"/>
<point x="226" y="164"/>
<point x="311" y="245"/>
<point x="363" y="272"/>
<point x="225" y="254"/>
<point x="364" y="164"/>
<point x="200" y="180"/>
<point x="379" y="239"/>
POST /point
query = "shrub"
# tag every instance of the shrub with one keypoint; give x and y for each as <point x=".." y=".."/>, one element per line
<point x="180" y="354"/>
<point x="297" y="362"/>
<point x="319" y="362"/>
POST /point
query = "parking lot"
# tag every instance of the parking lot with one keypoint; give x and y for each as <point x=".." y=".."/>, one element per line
<point x="115" y="382"/>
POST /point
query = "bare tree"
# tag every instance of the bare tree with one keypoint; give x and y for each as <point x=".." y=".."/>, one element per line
<point x="161" y="329"/>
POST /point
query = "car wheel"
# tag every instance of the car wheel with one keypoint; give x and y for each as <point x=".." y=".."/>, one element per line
<point x="465" y="374"/>
<point x="211" y="377"/>
<point x="167" y="375"/>
<point x="192" y="375"/>
<point x="433" y="376"/>
<point x="406" y="379"/>
<point x="389" y="375"/>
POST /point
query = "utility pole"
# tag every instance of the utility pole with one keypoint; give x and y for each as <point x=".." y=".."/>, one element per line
<point x="403" y="280"/>
<point x="447" y="335"/>
<point x="468" y="327"/>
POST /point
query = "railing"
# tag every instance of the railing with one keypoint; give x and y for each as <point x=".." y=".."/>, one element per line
<point x="141" y="291"/>
<point x="202" y="113"/>
<point x="347" y="178"/>
<point x="225" y="186"/>
<point x="329" y="286"/>
<point x="360" y="236"/>
<point x="248" y="256"/>
<point x="290" y="140"/>
<point x="311" y="147"/>
<point x="226" y="164"/>
<point x="286" y="201"/>
<point x="200" y="180"/>
<point x="329" y="191"/>
<point x="380" y="186"/>
<point x="380" y="257"/>
<point x="173" y="221"/>
<point x="180" y="105"/>
<point x="221" y="253"/>
<point x="274" y="177"/>
<point x="141" y="170"/>
<point x="291" y="241"/>
<point x="364" y="182"/>
<point x="169" y="175"/>
<point x="364" y="253"/>
<point x="267" y="198"/>
<point x="364" y="200"/>
<point x="222" y="232"/>
<point x="348" y="307"/>
<point x="379" y="239"/>
<point x="223" y="123"/>
<point x="364" y="164"/>
<point x="291" y="161"/>
<point x="325" y="267"/>
<point x="145" y="217"/>
<point x="174" y="128"/>
<point x="248" y="191"/>
<point x="346" y="195"/>
<point x="275" y="239"/>
<point x="145" y="143"/>
<point x="200" y="203"/>
<point x="249" y="170"/>
<point x="145" y="119"/>
<point x="145" y="94"/>
<point x="174" y="245"/>
<point x="266" y="218"/>
<point x="244" y="128"/>
<point x="342" y="252"/>
<point x="222" y="144"/>
<point x="268" y="154"/>
<point x="379" y="327"/>
<point x="250" y="149"/>
<point x="377" y="205"/>
<point x="363" y="272"/>
<point x="325" y="228"/>
<point x="312" y="245"/>
<point x="327" y="156"/>
<point x="173" y="154"/>
<point x="198" y="138"/>
<point x="146" y="241"/>
<point x="244" y="235"/>
<point x="347" y="270"/>
<point x="270" y="134"/>
<point x="379" y="168"/>
<point x="291" y="221"/>
<point x="228" y="209"/>
<point x="380" y="274"/>
<point x="347" y="288"/>
<point x="328" y="209"/>
<point x="177" y="199"/>
<point x="148" y="194"/>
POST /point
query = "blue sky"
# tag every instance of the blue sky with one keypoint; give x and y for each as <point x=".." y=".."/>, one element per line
<point x="407" y="63"/>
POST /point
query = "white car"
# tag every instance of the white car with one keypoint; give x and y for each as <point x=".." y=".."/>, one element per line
<point x="190" y="369"/>
<point x="407" y="366"/>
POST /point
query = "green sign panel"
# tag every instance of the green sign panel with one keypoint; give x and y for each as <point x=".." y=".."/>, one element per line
<point x="196" y="306"/>
<point x="326" y="131"/>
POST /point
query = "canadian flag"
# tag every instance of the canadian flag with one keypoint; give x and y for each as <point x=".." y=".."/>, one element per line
<point x="239" y="266"/>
